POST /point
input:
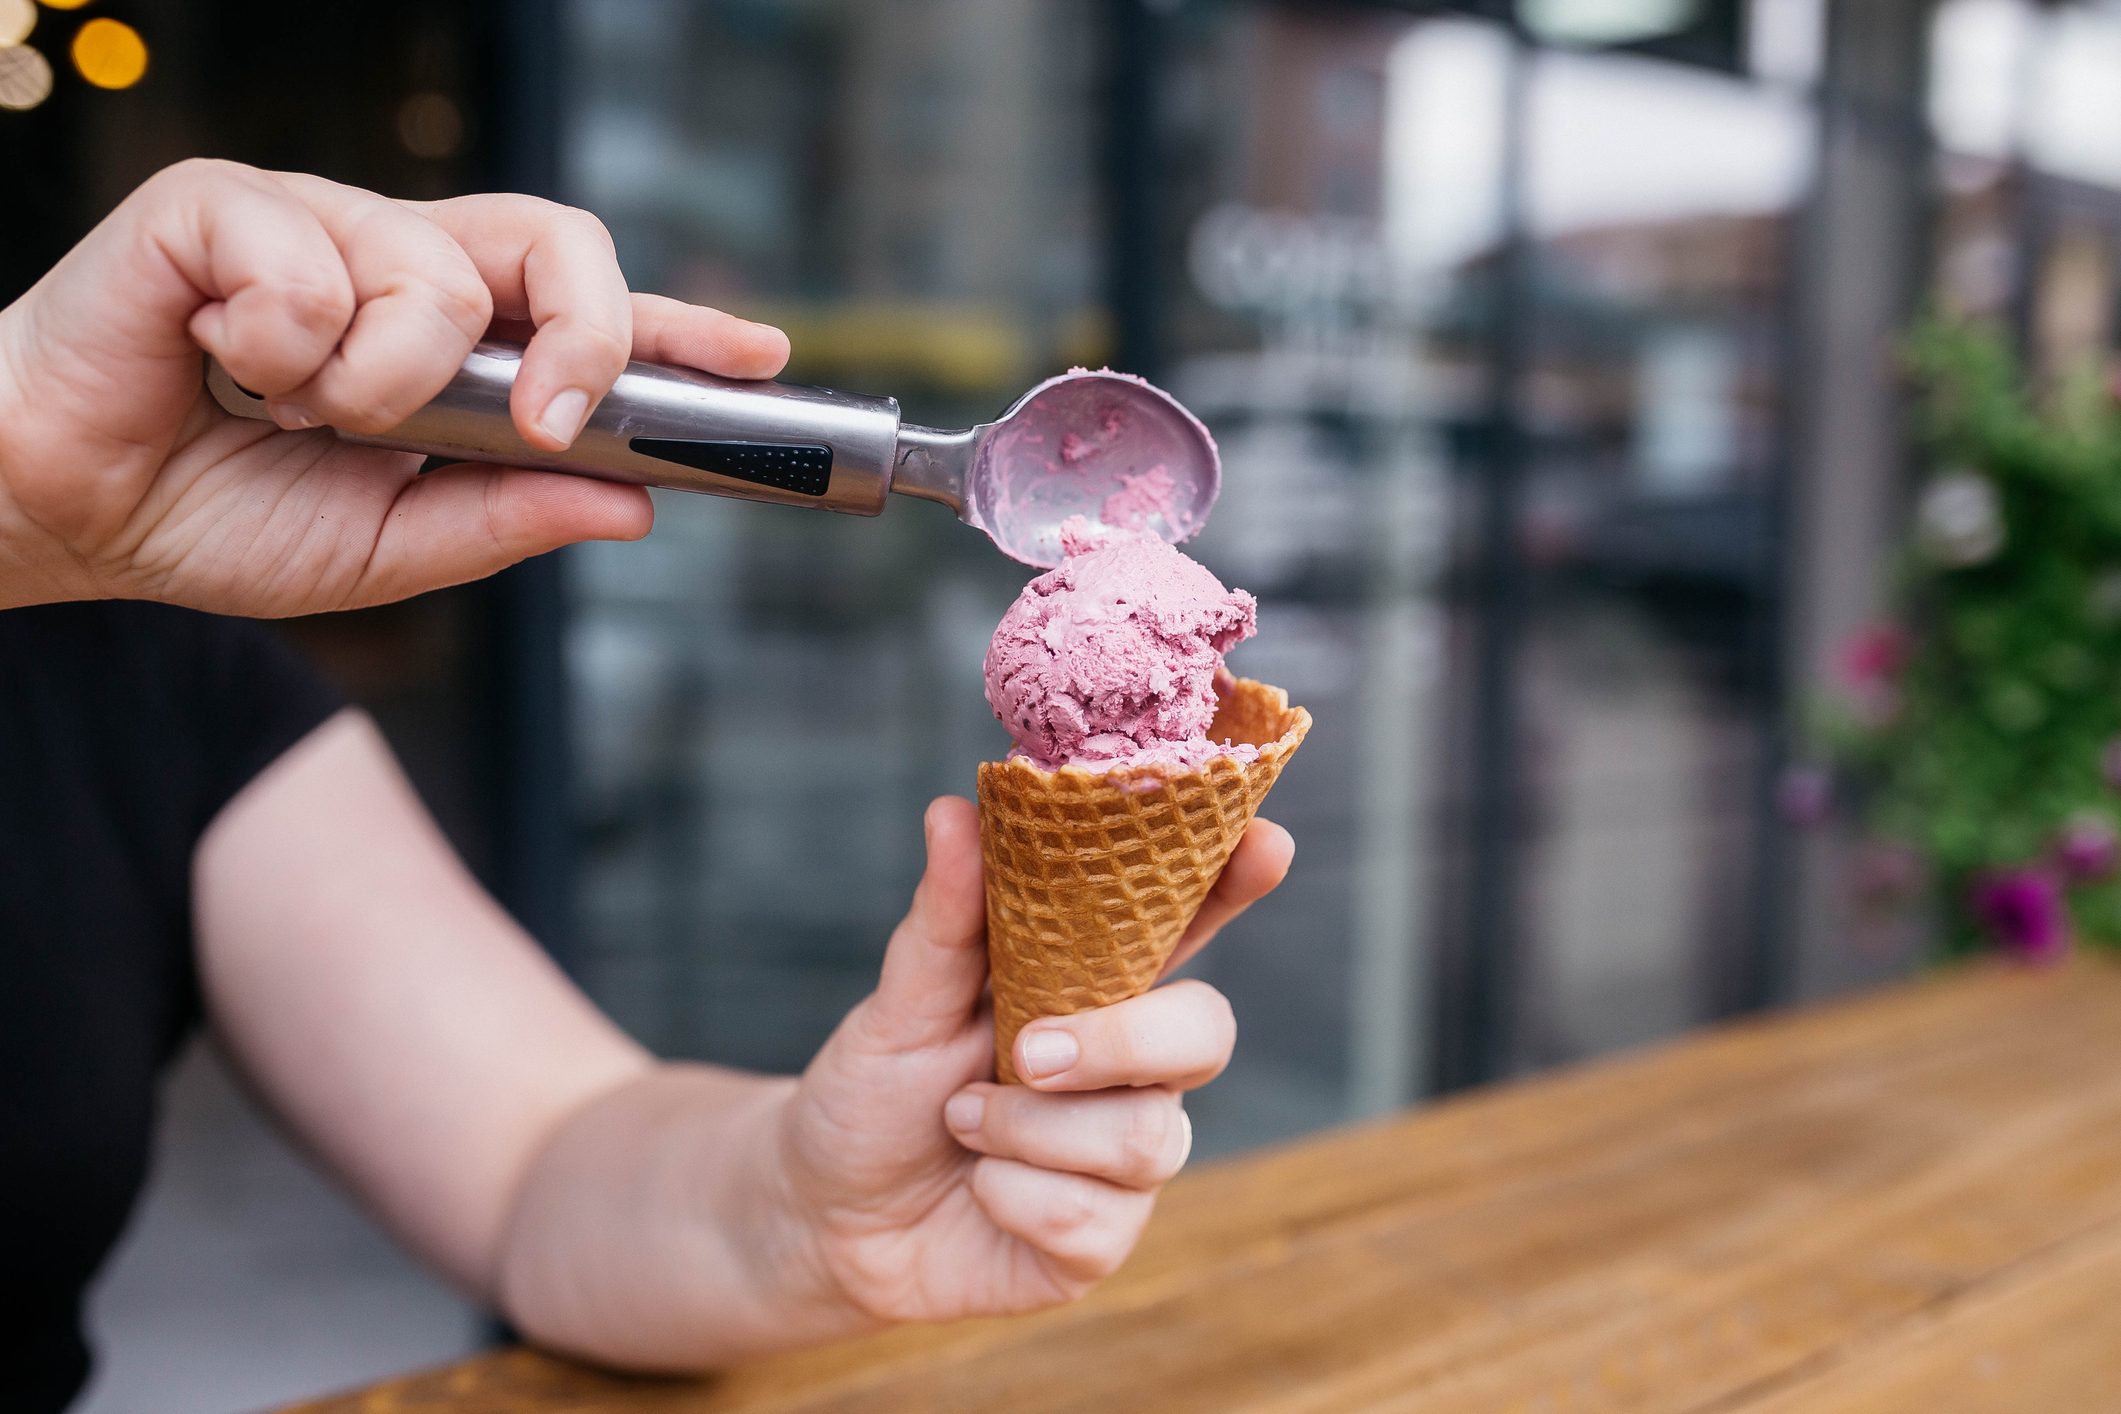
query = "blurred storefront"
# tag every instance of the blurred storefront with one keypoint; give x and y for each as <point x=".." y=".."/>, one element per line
<point x="1492" y="333"/>
<point x="1548" y="344"/>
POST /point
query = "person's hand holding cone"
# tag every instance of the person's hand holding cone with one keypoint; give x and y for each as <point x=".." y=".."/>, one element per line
<point x="923" y="1191"/>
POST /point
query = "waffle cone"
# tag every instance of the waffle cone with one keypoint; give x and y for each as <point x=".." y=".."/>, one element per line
<point x="1092" y="877"/>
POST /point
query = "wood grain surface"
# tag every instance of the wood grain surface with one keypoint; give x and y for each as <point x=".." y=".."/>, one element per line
<point x="1911" y="1201"/>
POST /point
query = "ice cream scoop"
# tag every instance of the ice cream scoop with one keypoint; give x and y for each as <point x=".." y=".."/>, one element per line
<point x="1106" y="446"/>
<point x="1111" y="658"/>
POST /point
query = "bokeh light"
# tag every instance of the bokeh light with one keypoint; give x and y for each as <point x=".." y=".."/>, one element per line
<point x="431" y="125"/>
<point x="66" y="4"/>
<point x="25" y="77"/>
<point x="110" y="54"/>
<point x="17" y="19"/>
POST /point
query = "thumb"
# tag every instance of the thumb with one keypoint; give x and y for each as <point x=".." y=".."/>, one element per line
<point x="936" y="964"/>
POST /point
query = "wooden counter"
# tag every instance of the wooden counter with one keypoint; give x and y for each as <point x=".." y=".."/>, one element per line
<point x="1907" y="1202"/>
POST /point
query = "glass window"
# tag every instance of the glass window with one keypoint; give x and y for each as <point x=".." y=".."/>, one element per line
<point x="928" y="195"/>
<point x="765" y="699"/>
<point x="1663" y="201"/>
<point x="1326" y="177"/>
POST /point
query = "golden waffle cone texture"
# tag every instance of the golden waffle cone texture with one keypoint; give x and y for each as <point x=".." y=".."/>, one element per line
<point x="1092" y="878"/>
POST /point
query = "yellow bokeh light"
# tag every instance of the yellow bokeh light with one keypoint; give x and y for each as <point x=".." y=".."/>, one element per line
<point x="431" y="125"/>
<point x="110" y="54"/>
<point x="17" y="19"/>
<point x="25" y="77"/>
<point x="66" y="4"/>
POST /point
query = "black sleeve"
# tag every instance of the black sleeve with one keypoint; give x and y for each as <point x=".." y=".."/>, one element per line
<point x="255" y="698"/>
<point x="124" y="730"/>
<point x="152" y="715"/>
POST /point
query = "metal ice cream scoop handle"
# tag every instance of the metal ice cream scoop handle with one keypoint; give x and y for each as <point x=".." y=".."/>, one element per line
<point x="1076" y="444"/>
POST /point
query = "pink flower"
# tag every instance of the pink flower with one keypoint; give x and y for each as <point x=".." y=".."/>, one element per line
<point x="2088" y="847"/>
<point x="1868" y="664"/>
<point x="2023" y="911"/>
<point x="1872" y="657"/>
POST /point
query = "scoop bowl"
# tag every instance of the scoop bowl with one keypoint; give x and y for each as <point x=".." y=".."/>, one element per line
<point x="1106" y="446"/>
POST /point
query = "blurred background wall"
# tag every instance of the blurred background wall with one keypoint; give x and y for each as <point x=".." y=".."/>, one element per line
<point x="1549" y="344"/>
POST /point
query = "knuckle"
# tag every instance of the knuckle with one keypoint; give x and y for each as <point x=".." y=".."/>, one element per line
<point x="1215" y="1012"/>
<point x="1116" y="1044"/>
<point x="999" y="1124"/>
<point x="500" y="525"/>
<point x="1070" y="1222"/>
<point x="607" y="346"/>
<point x="1146" y="1149"/>
<point x="1098" y="1265"/>
<point x="874" y="1029"/>
<point x="573" y="351"/>
<point x="589" y="225"/>
<point x="364" y="399"/>
<point x="542" y="210"/>
<point x="537" y="211"/>
<point x="519" y="210"/>
<point x="346" y="405"/>
<point x="601" y="345"/>
<point x="194" y="174"/>
<point x="363" y="416"/>
<point x="1094" y="1248"/>
<point x="463" y="299"/>
<point x="316" y="300"/>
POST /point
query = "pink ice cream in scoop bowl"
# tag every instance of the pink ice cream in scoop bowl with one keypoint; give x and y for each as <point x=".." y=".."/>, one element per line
<point x="1109" y="447"/>
<point x="1111" y="659"/>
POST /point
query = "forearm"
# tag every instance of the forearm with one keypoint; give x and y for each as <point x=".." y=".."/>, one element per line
<point x="653" y="1230"/>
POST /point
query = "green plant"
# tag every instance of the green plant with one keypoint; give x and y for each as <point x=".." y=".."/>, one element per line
<point x="1980" y="727"/>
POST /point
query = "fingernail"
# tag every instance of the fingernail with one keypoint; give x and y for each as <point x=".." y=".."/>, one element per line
<point x="209" y="327"/>
<point x="965" y="1110"/>
<point x="565" y="414"/>
<point x="1187" y="1120"/>
<point x="293" y="416"/>
<point x="1049" y="1052"/>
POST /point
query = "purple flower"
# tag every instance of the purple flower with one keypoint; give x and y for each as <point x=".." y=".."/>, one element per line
<point x="1872" y="656"/>
<point x="2022" y="910"/>
<point x="2088" y="847"/>
<point x="1805" y="795"/>
<point x="1869" y="664"/>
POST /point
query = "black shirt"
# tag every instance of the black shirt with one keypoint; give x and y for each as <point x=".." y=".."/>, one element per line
<point x="124" y="728"/>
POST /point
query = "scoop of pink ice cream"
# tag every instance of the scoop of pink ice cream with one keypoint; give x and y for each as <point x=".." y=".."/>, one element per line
<point x="1110" y="658"/>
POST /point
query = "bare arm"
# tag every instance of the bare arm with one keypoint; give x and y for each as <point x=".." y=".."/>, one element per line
<point x="420" y="1043"/>
<point x="675" y="1216"/>
<point x="384" y="1005"/>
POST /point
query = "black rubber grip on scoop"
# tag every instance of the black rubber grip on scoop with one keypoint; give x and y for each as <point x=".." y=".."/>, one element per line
<point x="804" y="468"/>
